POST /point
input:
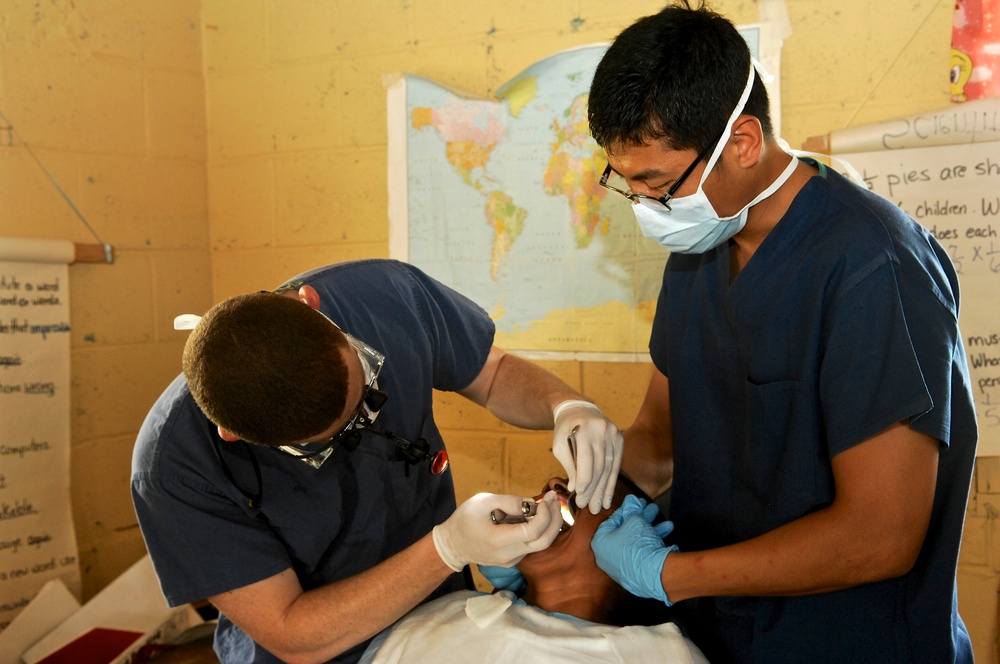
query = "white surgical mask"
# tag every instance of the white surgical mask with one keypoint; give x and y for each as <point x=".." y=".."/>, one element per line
<point x="691" y="225"/>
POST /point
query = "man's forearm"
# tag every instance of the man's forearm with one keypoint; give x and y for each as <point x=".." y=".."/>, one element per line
<point x="648" y="460"/>
<point x="524" y="394"/>
<point x="317" y="625"/>
<point x="874" y="530"/>
<point x="811" y="555"/>
<point x="649" y="444"/>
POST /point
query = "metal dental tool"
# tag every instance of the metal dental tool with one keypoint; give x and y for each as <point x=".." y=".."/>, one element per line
<point x="571" y="441"/>
<point x="570" y="509"/>
<point x="528" y="509"/>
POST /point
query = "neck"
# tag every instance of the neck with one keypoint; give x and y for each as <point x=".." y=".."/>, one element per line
<point x="764" y="216"/>
<point x="587" y="599"/>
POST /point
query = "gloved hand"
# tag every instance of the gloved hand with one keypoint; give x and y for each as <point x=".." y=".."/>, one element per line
<point x="470" y="536"/>
<point x="592" y="470"/>
<point x="631" y="550"/>
<point x="504" y="578"/>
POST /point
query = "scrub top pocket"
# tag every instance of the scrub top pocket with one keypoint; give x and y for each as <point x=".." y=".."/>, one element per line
<point x="782" y="454"/>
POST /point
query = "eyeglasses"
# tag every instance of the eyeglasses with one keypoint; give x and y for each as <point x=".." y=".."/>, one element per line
<point x="372" y="401"/>
<point x="618" y="184"/>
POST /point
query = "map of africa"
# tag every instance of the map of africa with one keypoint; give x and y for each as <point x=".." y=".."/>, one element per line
<point x="502" y="203"/>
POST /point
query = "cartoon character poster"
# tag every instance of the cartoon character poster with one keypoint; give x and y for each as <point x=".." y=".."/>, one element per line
<point x="975" y="50"/>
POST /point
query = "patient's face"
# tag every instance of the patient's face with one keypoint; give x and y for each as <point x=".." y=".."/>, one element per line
<point x="570" y="552"/>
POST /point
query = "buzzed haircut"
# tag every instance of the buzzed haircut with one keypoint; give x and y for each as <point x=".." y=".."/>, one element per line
<point x="267" y="368"/>
<point x="675" y="76"/>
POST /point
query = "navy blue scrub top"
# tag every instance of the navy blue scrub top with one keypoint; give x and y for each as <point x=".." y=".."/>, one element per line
<point x="843" y="323"/>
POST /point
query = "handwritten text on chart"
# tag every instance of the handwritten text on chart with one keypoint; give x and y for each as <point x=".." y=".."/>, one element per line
<point x="13" y="545"/>
<point x="23" y="449"/>
<point x="11" y="282"/>
<point x="47" y="389"/>
<point x="15" y="326"/>
<point x="37" y="542"/>
<point x="954" y="192"/>
<point x="9" y="605"/>
<point x="965" y="123"/>
<point x="898" y="180"/>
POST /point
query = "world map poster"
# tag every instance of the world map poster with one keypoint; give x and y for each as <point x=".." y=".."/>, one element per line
<point x="500" y="199"/>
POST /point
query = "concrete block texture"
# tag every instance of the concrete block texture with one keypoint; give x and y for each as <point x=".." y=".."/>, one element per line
<point x="144" y="204"/>
<point x="63" y="102"/>
<point x="114" y="386"/>
<point x="308" y="29"/>
<point x="281" y="108"/>
<point x="236" y="272"/>
<point x="176" y="122"/>
<point x="241" y="204"/>
<point x="32" y="206"/>
<point x="107" y="99"/>
<point x="330" y="198"/>
<point x="112" y="306"/>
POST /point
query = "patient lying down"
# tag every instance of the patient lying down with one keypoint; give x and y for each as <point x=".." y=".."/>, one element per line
<point x="570" y="608"/>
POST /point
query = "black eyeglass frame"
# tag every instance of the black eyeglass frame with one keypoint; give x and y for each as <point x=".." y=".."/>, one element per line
<point x="663" y="200"/>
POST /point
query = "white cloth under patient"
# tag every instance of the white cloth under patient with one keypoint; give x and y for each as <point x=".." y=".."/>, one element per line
<point x="467" y="626"/>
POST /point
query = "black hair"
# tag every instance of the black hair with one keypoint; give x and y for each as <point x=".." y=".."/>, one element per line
<point x="674" y="76"/>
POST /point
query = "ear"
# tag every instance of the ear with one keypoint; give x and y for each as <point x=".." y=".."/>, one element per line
<point x="749" y="139"/>
<point x="309" y="295"/>
<point x="227" y="435"/>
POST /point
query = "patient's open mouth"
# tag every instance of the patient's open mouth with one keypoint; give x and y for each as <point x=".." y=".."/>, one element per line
<point x="567" y="505"/>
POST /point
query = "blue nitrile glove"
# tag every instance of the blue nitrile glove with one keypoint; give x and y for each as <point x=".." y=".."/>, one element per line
<point x="504" y="578"/>
<point x="631" y="550"/>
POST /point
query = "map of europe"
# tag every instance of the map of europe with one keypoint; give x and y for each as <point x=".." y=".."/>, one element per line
<point x="499" y="199"/>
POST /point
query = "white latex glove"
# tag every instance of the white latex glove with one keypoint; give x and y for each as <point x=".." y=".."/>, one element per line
<point x="593" y="472"/>
<point x="470" y="536"/>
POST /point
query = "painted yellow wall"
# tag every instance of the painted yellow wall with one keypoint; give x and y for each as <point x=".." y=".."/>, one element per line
<point x="223" y="145"/>
<point x="110" y="96"/>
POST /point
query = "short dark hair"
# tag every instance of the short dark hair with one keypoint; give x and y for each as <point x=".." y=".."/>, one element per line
<point x="674" y="76"/>
<point x="267" y="368"/>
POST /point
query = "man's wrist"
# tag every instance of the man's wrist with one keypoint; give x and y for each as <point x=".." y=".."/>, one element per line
<point x="446" y="555"/>
<point x="573" y="403"/>
<point x="670" y="576"/>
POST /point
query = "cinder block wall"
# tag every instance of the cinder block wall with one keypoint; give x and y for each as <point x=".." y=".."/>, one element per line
<point x="222" y="146"/>
<point x="110" y="96"/>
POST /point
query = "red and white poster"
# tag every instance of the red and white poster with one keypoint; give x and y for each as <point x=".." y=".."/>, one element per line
<point x="975" y="50"/>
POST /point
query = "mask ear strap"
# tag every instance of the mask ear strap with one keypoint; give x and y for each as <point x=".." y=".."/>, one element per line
<point x="844" y="167"/>
<point x="728" y="131"/>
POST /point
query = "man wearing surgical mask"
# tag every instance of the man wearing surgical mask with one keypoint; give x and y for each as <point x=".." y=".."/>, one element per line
<point x="810" y="381"/>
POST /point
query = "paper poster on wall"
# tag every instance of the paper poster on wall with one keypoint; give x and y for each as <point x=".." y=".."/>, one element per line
<point x="498" y="197"/>
<point x="971" y="122"/>
<point x="37" y="538"/>
<point x="954" y="191"/>
<point x="975" y="56"/>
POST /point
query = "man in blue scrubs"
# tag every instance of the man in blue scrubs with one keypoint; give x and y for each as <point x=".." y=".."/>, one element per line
<point x="810" y="383"/>
<point x="285" y="474"/>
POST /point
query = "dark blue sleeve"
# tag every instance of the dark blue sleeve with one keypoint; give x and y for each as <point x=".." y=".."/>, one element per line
<point x="201" y="540"/>
<point x="409" y="316"/>
<point x="460" y="331"/>
<point x="889" y="352"/>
